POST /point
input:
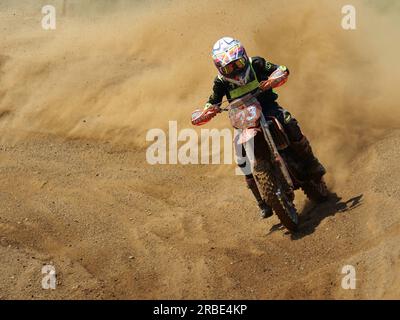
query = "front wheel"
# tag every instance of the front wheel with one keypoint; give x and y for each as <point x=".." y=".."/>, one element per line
<point x="278" y="199"/>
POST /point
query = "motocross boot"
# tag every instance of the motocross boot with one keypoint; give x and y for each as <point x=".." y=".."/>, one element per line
<point x="314" y="169"/>
<point x="265" y="209"/>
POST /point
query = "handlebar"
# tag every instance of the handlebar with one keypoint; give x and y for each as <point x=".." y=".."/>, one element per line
<point x="200" y="117"/>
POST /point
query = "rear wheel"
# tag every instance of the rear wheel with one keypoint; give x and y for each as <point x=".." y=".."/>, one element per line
<point x="316" y="191"/>
<point x="280" y="202"/>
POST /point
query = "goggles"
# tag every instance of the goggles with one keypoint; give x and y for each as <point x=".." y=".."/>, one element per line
<point x="234" y="67"/>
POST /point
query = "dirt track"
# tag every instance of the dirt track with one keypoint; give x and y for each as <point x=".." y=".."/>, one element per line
<point x="76" y="190"/>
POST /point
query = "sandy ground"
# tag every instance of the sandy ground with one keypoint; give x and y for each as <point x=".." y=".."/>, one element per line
<point x="76" y="191"/>
<point x="84" y="207"/>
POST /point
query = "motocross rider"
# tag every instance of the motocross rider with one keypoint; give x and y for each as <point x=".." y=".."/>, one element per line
<point x="239" y="75"/>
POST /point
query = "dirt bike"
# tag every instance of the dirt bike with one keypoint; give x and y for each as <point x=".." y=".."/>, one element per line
<point x="277" y="173"/>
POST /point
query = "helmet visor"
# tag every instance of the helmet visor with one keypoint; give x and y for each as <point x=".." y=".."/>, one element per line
<point x="234" y="67"/>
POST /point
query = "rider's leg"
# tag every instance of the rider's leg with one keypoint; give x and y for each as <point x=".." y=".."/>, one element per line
<point x="299" y="142"/>
<point x="312" y="165"/>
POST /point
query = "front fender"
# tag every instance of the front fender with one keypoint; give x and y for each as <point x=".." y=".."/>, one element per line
<point x="247" y="134"/>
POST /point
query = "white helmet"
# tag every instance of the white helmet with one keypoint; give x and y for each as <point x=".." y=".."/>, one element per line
<point x="231" y="60"/>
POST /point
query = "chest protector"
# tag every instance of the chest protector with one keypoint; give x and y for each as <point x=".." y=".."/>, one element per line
<point x="247" y="88"/>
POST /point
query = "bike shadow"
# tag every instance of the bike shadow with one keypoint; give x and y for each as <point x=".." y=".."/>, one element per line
<point x="313" y="214"/>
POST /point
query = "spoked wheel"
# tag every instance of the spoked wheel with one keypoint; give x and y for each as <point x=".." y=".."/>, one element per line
<point x="316" y="191"/>
<point x="280" y="202"/>
<point x="287" y="212"/>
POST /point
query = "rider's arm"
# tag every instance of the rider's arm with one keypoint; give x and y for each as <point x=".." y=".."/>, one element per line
<point x="265" y="68"/>
<point x="217" y="94"/>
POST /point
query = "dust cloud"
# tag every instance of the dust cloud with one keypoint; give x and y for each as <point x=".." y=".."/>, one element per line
<point x="112" y="71"/>
<point x="117" y="227"/>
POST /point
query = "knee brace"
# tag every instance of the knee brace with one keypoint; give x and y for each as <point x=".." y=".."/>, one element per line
<point x="292" y="127"/>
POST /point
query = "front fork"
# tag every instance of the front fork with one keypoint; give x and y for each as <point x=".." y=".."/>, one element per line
<point x="276" y="157"/>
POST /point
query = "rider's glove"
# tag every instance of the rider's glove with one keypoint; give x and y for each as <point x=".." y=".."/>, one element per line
<point x="210" y="106"/>
<point x="211" y="110"/>
<point x="276" y="79"/>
